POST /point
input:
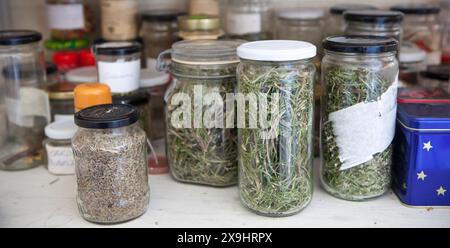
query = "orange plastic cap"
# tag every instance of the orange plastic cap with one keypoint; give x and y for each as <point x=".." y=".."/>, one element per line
<point x="91" y="94"/>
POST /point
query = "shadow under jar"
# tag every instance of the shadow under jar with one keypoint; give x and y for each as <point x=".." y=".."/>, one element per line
<point x="359" y="75"/>
<point x="110" y="155"/>
<point x="276" y="154"/>
<point x="201" y="141"/>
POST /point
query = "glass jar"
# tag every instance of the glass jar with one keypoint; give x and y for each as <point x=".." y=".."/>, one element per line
<point x="88" y="95"/>
<point x="139" y="99"/>
<point x="412" y="62"/>
<point x="204" y="7"/>
<point x="306" y="25"/>
<point x="335" y="23"/>
<point x="69" y="19"/>
<point x="374" y="23"/>
<point x="422" y="26"/>
<point x="110" y="155"/>
<point x="248" y="19"/>
<point x="199" y="27"/>
<point x="59" y="156"/>
<point x="119" y="27"/>
<point x="275" y="157"/>
<point x="119" y="65"/>
<point x="159" y="30"/>
<point x="52" y="73"/>
<point x="359" y="75"/>
<point x="445" y="17"/>
<point x="201" y="150"/>
<point x="61" y="100"/>
<point x="435" y="76"/>
<point x="26" y="102"/>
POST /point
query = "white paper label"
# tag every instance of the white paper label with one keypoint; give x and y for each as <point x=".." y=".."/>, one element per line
<point x="365" y="129"/>
<point x="60" y="160"/>
<point x="65" y="16"/>
<point x="121" y="77"/>
<point x="243" y="23"/>
<point x="31" y="102"/>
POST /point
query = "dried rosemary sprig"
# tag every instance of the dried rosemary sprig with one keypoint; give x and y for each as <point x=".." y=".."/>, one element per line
<point x="346" y="87"/>
<point x="275" y="175"/>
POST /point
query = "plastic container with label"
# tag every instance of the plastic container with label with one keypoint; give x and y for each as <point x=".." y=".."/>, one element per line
<point x="22" y="68"/>
<point x="59" y="156"/>
<point x="119" y="27"/>
<point x="412" y="62"/>
<point x="358" y="115"/>
<point x="335" y="23"/>
<point x="199" y="27"/>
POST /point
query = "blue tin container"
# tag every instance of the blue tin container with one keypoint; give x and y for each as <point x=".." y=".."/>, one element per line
<point x="421" y="168"/>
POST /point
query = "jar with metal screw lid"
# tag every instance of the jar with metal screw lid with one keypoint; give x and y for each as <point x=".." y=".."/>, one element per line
<point x="199" y="27"/>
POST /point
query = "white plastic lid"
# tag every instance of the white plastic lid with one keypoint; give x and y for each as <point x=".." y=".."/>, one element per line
<point x="411" y="53"/>
<point x="150" y="77"/>
<point x="61" y="130"/>
<point x="304" y="14"/>
<point x="276" y="50"/>
<point x="86" y="74"/>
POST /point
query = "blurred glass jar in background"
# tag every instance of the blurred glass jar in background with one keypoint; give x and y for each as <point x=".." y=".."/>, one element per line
<point x="445" y="17"/>
<point x="335" y="23"/>
<point x="412" y="62"/>
<point x="199" y="27"/>
<point x="119" y="27"/>
<point x="436" y="76"/>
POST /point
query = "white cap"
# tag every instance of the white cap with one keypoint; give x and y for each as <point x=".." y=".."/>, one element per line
<point x="150" y="77"/>
<point x="304" y="14"/>
<point x="61" y="130"/>
<point x="86" y="74"/>
<point x="276" y="50"/>
<point x="410" y="53"/>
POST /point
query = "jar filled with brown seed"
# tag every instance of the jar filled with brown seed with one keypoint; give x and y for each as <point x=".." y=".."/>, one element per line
<point x="110" y="163"/>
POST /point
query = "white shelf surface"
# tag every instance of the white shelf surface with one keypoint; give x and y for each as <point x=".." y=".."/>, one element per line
<point x="35" y="198"/>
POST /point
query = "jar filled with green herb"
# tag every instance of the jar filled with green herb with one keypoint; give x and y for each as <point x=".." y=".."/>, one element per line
<point x="359" y="75"/>
<point x="201" y="136"/>
<point x="275" y="120"/>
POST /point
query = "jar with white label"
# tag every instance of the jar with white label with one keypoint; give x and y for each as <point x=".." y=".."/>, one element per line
<point x="119" y="65"/>
<point x="69" y="19"/>
<point x="359" y="76"/>
<point x="275" y="129"/>
<point x="335" y="23"/>
<point x="22" y="75"/>
<point x="59" y="156"/>
<point x="248" y="19"/>
<point x="119" y="27"/>
<point x="422" y="26"/>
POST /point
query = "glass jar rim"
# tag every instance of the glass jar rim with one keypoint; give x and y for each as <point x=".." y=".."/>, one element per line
<point x="417" y="9"/>
<point x="374" y="16"/>
<point x="360" y="44"/>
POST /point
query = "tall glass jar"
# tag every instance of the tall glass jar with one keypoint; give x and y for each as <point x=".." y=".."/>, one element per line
<point x="110" y="152"/>
<point x="201" y="140"/>
<point x="25" y="101"/>
<point x="248" y="19"/>
<point x="199" y="27"/>
<point x="375" y="23"/>
<point x="159" y="30"/>
<point x="422" y="27"/>
<point x="276" y="154"/>
<point x="359" y="75"/>
<point x="119" y="27"/>
<point x="335" y="23"/>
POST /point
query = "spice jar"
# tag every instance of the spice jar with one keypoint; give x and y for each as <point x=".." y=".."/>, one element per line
<point x="248" y="19"/>
<point x="199" y="149"/>
<point x="359" y="75"/>
<point x="421" y="26"/>
<point x="375" y="23"/>
<point x="69" y="19"/>
<point x="139" y="99"/>
<point x="159" y="30"/>
<point x="275" y="155"/>
<point x="110" y="155"/>
<point x="204" y="7"/>
<point x="88" y="95"/>
<point x="199" y="27"/>
<point x="119" y="27"/>
<point x="61" y="100"/>
<point x="119" y="65"/>
<point x="436" y="76"/>
<point x="58" y="148"/>
<point x="412" y="62"/>
<point x="26" y="102"/>
<point x="335" y="23"/>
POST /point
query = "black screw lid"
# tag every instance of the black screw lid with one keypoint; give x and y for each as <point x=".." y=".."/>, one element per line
<point x="134" y="98"/>
<point x="161" y="15"/>
<point x="107" y="116"/>
<point x="339" y="9"/>
<point x="117" y="48"/>
<point x="360" y="44"/>
<point x="417" y="9"/>
<point x="374" y="16"/>
<point x="439" y="72"/>
<point x="18" y="37"/>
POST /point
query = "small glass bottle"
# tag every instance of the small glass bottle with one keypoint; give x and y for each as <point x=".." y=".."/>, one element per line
<point x="412" y="62"/>
<point x="59" y="156"/>
<point x="422" y="26"/>
<point x="61" y="100"/>
<point x="359" y="76"/>
<point x="335" y="23"/>
<point x="199" y="27"/>
<point x="275" y="155"/>
<point x="110" y="152"/>
<point x="119" y="27"/>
